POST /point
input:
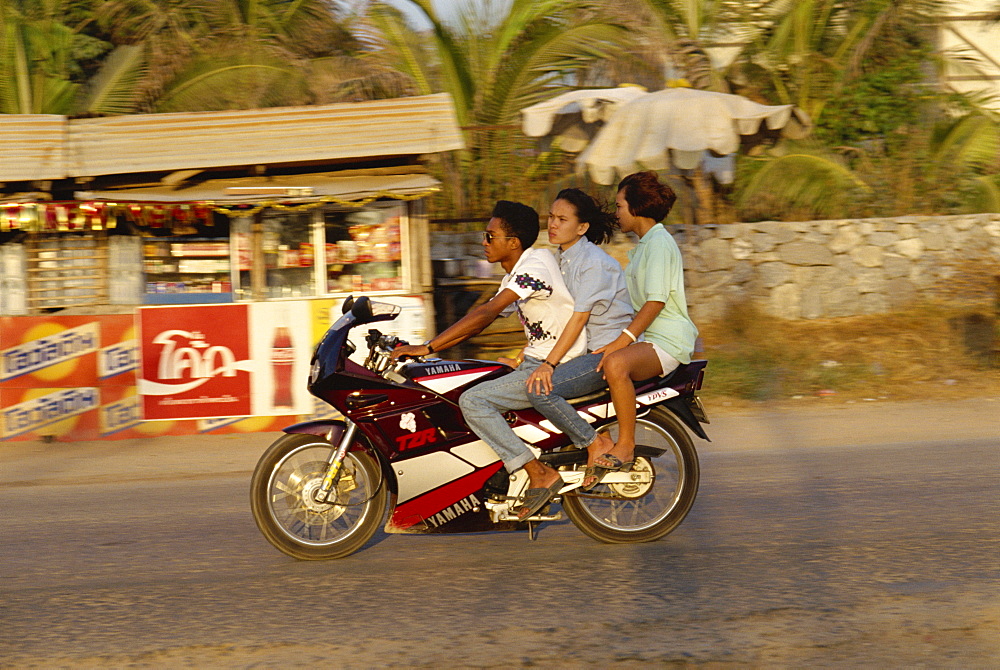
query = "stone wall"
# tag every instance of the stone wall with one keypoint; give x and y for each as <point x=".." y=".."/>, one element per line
<point x="815" y="269"/>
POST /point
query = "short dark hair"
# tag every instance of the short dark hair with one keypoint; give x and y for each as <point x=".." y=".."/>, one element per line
<point x="519" y="220"/>
<point x="647" y="196"/>
<point x="588" y="210"/>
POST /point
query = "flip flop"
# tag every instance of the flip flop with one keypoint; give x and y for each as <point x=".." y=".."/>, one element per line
<point x="535" y="499"/>
<point x="597" y="471"/>
<point x="591" y="471"/>
<point x="617" y="465"/>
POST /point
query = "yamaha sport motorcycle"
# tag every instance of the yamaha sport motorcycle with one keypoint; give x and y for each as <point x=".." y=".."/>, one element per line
<point x="403" y="452"/>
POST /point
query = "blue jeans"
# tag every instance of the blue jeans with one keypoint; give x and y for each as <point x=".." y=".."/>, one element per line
<point x="571" y="379"/>
<point x="483" y="406"/>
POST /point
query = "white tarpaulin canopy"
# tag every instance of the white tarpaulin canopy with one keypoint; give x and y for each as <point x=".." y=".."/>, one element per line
<point x="675" y="127"/>
<point x="575" y="116"/>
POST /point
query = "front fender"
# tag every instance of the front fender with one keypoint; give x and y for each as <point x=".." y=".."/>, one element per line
<point x="331" y="429"/>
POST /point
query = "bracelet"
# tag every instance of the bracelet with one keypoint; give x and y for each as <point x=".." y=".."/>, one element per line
<point x="551" y="365"/>
<point x="629" y="333"/>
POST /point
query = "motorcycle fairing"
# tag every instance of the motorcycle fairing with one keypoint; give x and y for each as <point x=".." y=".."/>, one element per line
<point x="441" y="377"/>
<point x="454" y="507"/>
<point x="440" y="485"/>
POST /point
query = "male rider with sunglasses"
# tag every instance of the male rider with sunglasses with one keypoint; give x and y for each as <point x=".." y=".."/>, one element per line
<point x="533" y="286"/>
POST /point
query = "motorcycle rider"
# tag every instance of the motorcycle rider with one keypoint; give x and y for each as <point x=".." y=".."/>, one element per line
<point x="534" y="287"/>
<point x="662" y="335"/>
<point x="578" y="224"/>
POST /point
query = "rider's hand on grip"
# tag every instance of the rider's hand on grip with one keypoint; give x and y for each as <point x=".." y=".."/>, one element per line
<point x="404" y="351"/>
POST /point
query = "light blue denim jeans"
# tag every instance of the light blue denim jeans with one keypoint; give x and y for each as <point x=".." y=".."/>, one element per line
<point x="571" y="379"/>
<point x="483" y="406"/>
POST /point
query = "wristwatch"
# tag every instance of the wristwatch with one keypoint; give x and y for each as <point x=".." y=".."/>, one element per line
<point x="427" y="344"/>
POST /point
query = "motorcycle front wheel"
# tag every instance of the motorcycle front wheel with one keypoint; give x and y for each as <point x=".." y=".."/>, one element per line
<point x="285" y="505"/>
<point x="647" y="510"/>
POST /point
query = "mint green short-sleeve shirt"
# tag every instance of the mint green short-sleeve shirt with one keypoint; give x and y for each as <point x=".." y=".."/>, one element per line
<point x="655" y="272"/>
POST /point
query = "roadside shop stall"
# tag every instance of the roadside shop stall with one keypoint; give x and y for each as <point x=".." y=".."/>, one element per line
<point x="169" y="273"/>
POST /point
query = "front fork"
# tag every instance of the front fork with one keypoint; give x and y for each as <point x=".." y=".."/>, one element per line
<point x="336" y="461"/>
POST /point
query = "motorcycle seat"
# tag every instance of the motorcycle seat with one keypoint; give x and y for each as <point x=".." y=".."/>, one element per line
<point x="596" y="395"/>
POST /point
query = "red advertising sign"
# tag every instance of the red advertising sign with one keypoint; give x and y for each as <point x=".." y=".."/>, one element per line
<point x="196" y="361"/>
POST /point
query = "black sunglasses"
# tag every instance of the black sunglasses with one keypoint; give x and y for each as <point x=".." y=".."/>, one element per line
<point x="489" y="236"/>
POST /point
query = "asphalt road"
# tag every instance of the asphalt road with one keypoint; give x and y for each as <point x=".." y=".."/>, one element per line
<point x="864" y="536"/>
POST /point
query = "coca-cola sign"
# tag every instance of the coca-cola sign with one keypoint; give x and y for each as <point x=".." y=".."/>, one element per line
<point x="196" y="361"/>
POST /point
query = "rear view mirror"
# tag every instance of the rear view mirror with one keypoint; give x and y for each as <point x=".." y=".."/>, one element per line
<point x="367" y="311"/>
<point x="360" y="308"/>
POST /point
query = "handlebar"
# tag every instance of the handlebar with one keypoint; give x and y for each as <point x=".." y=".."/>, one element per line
<point x="384" y="342"/>
<point x="380" y="359"/>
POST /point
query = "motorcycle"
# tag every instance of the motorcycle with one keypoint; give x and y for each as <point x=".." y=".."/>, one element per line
<point x="403" y="452"/>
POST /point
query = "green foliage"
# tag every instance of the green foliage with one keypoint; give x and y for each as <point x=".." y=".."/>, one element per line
<point x="884" y="142"/>
<point x="37" y="67"/>
<point x="231" y="83"/>
<point x="820" y="47"/>
<point x="874" y="104"/>
<point x="798" y="185"/>
<point x="114" y="89"/>
<point x="985" y="194"/>
<point x="492" y="72"/>
<point x="746" y="373"/>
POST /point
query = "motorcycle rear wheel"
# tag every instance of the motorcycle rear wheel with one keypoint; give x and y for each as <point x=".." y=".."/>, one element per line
<point x="292" y="519"/>
<point x="648" y="511"/>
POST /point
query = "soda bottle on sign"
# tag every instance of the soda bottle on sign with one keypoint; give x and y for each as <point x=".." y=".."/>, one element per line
<point x="282" y="362"/>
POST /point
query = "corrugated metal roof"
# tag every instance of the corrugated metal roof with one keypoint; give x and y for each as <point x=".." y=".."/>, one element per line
<point x="32" y="147"/>
<point x="52" y="147"/>
<point x="153" y="142"/>
<point x="347" y="186"/>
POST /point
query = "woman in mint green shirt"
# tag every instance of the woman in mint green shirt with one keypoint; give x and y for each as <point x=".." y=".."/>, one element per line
<point x="662" y="335"/>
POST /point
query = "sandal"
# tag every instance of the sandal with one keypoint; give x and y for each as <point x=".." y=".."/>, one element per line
<point x="597" y="471"/>
<point x="536" y="499"/>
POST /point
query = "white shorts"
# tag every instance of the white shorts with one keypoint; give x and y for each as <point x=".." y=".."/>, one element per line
<point x="667" y="362"/>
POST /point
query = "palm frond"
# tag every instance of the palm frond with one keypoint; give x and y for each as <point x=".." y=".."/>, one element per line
<point x="349" y="79"/>
<point x="534" y="70"/>
<point x="986" y="194"/>
<point x="410" y="57"/>
<point x="15" y="75"/>
<point x="453" y="61"/>
<point x="114" y="89"/>
<point x="56" y="95"/>
<point x="233" y="82"/>
<point x="523" y="15"/>
<point x="800" y="183"/>
<point x="970" y="142"/>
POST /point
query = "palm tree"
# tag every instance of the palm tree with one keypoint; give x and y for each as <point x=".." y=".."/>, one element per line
<point x="858" y="68"/>
<point x="226" y="54"/>
<point x="494" y="71"/>
<point x="46" y="55"/>
<point x="166" y="31"/>
<point x="535" y="50"/>
<point x="819" y="46"/>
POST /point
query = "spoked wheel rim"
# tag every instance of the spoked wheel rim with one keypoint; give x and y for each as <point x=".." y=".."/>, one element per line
<point x="292" y="502"/>
<point x="640" y="506"/>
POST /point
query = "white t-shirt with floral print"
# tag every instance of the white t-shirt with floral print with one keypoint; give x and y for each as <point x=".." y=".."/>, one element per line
<point x="544" y="304"/>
